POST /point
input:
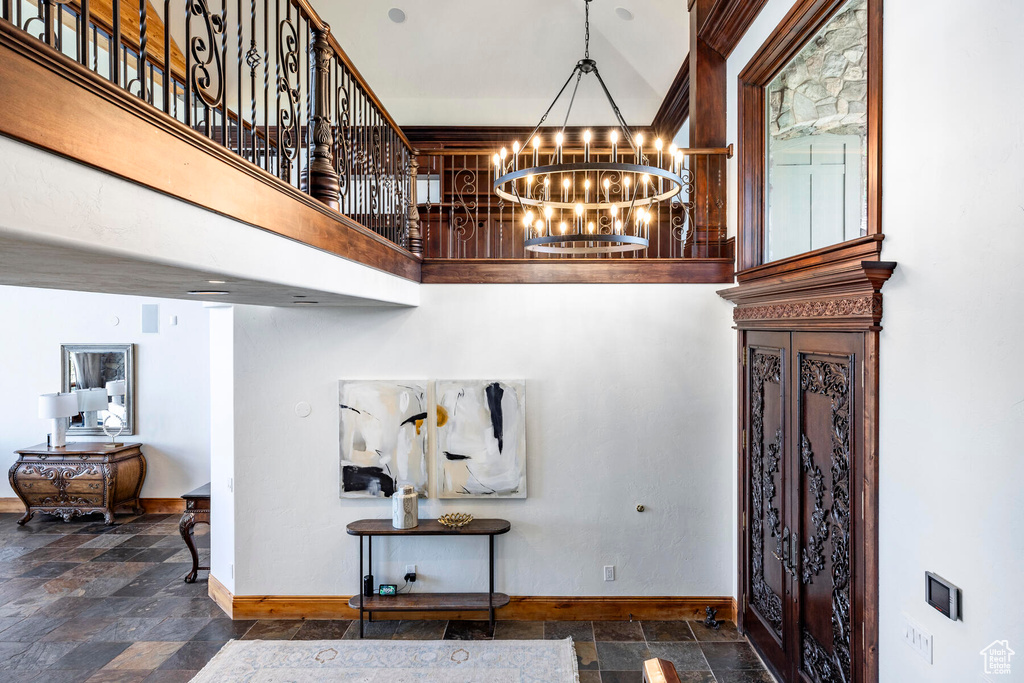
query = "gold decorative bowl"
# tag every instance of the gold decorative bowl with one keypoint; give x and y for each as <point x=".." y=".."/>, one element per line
<point x="455" y="520"/>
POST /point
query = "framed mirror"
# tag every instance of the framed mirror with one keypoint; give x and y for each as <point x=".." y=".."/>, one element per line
<point x="809" y="169"/>
<point x="95" y="367"/>
<point x="816" y="140"/>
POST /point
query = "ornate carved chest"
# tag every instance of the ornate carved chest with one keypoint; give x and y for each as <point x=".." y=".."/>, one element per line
<point x="79" y="479"/>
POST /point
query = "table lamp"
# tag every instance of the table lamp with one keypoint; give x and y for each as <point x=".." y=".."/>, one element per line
<point x="117" y="389"/>
<point x="90" y="401"/>
<point x="57" y="408"/>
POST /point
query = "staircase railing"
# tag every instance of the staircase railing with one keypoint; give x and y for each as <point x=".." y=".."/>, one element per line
<point x="265" y="79"/>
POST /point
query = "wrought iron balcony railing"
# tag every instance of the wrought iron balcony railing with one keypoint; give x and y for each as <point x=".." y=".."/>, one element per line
<point x="460" y="217"/>
<point x="264" y="79"/>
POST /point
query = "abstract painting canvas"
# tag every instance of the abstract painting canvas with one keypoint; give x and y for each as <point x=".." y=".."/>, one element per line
<point x="481" y="439"/>
<point x="383" y="430"/>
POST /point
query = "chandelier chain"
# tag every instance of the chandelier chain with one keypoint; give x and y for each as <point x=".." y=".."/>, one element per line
<point x="587" y="31"/>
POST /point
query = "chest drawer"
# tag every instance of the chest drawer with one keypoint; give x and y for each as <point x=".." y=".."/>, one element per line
<point x="72" y="478"/>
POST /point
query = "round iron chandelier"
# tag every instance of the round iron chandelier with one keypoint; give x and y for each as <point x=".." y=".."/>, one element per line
<point x="596" y="202"/>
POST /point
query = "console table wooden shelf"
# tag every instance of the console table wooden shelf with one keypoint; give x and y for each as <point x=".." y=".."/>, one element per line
<point x="79" y="479"/>
<point x="427" y="602"/>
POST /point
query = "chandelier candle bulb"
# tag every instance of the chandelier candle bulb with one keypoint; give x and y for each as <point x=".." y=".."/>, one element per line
<point x="639" y="148"/>
<point x="586" y="190"/>
<point x="625" y="188"/>
<point x="536" y="151"/>
<point x="657" y="146"/>
<point x="607" y="186"/>
<point x="515" y="156"/>
<point x="586" y="146"/>
<point x="615" y="145"/>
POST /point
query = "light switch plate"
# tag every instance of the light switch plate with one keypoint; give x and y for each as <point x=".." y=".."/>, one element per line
<point x="917" y="638"/>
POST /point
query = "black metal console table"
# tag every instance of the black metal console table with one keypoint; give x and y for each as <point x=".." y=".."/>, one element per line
<point x="428" y="602"/>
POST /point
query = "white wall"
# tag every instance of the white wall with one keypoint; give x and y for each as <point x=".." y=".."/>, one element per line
<point x="952" y="376"/>
<point x="172" y="376"/>
<point x="222" y="444"/>
<point x="629" y="400"/>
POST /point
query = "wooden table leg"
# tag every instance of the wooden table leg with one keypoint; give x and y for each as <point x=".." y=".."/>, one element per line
<point x="185" y="526"/>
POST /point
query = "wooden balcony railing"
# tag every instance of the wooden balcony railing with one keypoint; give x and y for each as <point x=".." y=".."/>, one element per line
<point x="265" y="80"/>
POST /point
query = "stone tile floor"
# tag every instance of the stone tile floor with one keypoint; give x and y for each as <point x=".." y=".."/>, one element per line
<point x="84" y="602"/>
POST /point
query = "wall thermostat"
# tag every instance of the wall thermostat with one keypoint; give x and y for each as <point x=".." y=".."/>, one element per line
<point x="942" y="595"/>
<point x="387" y="589"/>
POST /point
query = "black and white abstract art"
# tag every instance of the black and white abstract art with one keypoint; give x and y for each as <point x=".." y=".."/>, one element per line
<point x="383" y="429"/>
<point x="481" y="439"/>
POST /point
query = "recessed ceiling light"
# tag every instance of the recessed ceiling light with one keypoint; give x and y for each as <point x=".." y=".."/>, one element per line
<point x="208" y="292"/>
<point x="396" y="15"/>
<point x="624" y="14"/>
<point x="305" y="303"/>
<point x="217" y="282"/>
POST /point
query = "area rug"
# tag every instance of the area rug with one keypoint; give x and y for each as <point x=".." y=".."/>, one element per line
<point x="377" y="661"/>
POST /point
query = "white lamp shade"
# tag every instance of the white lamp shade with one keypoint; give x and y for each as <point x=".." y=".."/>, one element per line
<point x="92" y="399"/>
<point x="117" y="388"/>
<point x="57" y="405"/>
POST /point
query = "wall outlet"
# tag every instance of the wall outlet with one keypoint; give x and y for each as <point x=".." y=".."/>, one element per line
<point x="917" y="638"/>
<point x="609" y="572"/>
<point x="410" y="573"/>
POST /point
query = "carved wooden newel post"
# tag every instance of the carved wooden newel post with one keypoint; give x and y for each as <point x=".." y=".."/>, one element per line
<point x="323" y="180"/>
<point x="415" y="240"/>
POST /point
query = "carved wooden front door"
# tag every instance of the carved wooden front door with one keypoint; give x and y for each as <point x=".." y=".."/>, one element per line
<point x="803" y="430"/>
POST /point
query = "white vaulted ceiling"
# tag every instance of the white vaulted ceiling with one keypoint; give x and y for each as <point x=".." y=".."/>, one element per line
<point x="484" y="62"/>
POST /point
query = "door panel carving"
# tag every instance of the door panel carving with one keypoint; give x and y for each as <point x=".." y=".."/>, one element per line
<point x="826" y="393"/>
<point x="766" y="443"/>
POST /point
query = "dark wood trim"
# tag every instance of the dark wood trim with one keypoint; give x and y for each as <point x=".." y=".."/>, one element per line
<point x="799" y="25"/>
<point x="843" y="295"/>
<point x="520" y="608"/>
<point x="120" y="134"/>
<point x="158" y="506"/>
<point x="727" y="22"/>
<point x="566" y="271"/>
<point x="428" y="139"/>
<point x="865" y="248"/>
<point x="675" y="108"/>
